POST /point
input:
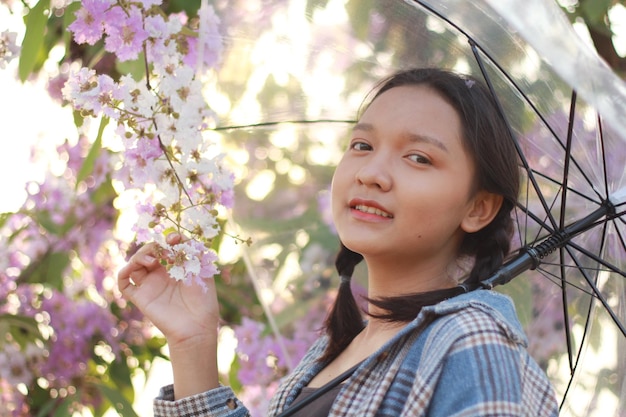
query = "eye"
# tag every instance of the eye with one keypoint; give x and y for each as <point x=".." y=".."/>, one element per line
<point x="419" y="159"/>
<point x="360" y="146"/>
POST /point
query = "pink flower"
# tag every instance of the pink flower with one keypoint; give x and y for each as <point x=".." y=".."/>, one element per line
<point x="125" y="33"/>
<point x="211" y="41"/>
<point x="192" y="262"/>
<point x="55" y="85"/>
<point x="89" y="24"/>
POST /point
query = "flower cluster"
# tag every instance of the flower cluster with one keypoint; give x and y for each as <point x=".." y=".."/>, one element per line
<point x="263" y="361"/>
<point x="264" y="357"/>
<point x="57" y="252"/>
<point x="161" y="119"/>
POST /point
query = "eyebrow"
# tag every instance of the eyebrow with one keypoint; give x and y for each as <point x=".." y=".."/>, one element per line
<point x="368" y="127"/>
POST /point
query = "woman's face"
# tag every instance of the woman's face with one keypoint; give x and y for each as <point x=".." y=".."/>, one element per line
<point x="403" y="189"/>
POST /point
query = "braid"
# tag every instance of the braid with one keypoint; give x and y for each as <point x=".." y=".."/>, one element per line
<point x="344" y="321"/>
<point x="490" y="247"/>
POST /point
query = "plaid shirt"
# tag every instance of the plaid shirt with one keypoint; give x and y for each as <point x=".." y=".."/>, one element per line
<point x="463" y="357"/>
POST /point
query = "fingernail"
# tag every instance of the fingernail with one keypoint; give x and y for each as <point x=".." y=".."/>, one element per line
<point x="149" y="258"/>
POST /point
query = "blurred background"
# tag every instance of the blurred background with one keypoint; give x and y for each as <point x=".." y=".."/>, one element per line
<point x="70" y="345"/>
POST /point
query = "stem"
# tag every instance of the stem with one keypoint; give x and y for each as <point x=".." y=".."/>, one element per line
<point x="268" y="313"/>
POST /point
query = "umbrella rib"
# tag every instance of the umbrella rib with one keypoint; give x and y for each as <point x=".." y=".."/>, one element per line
<point x="536" y="218"/>
<point x="604" y="168"/>
<point x="556" y="182"/>
<point x="565" y="181"/>
<point x="592" y="278"/>
<point x="520" y="153"/>
<point x="595" y="289"/>
<point x="281" y="122"/>
<point x="556" y="280"/>
<point x="620" y="218"/>
<point x="588" y="316"/>
<point x="475" y="47"/>
<point x="609" y="267"/>
<point x="555" y="264"/>
<point x="619" y="215"/>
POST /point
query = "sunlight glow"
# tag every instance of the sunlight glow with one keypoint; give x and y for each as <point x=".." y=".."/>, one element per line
<point x="617" y="17"/>
<point x="261" y="185"/>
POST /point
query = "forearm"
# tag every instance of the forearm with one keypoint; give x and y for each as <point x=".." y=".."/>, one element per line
<point x="194" y="365"/>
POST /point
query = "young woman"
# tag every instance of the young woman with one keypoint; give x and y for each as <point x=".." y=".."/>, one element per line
<point x="425" y="188"/>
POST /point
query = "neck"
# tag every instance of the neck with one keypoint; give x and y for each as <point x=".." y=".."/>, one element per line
<point x="389" y="280"/>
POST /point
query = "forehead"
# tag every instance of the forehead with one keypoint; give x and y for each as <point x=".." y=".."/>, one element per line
<point x="414" y="111"/>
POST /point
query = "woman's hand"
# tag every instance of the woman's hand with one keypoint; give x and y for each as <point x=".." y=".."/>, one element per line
<point x="187" y="315"/>
<point x="184" y="313"/>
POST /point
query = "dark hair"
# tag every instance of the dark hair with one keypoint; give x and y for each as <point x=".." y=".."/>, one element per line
<point x="487" y="139"/>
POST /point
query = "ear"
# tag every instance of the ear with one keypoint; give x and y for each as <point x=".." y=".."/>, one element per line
<point x="483" y="208"/>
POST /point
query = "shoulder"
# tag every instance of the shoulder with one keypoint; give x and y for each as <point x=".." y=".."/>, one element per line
<point x="481" y="325"/>
<point x="474" y="320"/>
<point x="481" y="316"/>
<point x="474" y="358"/>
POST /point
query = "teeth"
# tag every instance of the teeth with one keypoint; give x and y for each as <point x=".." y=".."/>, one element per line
<point x="372" y="210"/>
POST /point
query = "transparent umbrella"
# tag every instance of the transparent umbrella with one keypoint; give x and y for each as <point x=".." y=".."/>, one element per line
<point x="293" y="78"/>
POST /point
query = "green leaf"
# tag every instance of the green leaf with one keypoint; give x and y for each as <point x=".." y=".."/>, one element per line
<point x="596" y="10"/>
<point x="92" y="156"/>
<point x="22" y="322"/>
<point x="4" y="217"/>
<point x="120" y="376"/>
<point x="217" y="240"/>
<point x="45" y="220"/>
<point x="119" y="402"/>
<point x="68" y="18"/>
<point x="23" y="329"/>
<point x="233" y="381"/>
<point x="136" y="68"/>
<point x="104" y="194"/>
<point x="46" y="408"/>
<point x="63" y="410"/>
<point x="36" y="22"/>
<point x="78" y="118"/>
<point x="190" y="7"/>
<point x="56" y="265"/>
<point x="48" y="270"/>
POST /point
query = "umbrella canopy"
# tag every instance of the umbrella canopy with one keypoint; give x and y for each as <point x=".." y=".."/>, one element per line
<point x="293" y="77"/>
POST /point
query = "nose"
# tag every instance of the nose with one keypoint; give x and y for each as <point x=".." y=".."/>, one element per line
<point x="376" y="172"/>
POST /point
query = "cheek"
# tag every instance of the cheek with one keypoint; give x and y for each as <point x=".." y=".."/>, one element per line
<point x="341" y="185"/>
<point x="336" y="192"/>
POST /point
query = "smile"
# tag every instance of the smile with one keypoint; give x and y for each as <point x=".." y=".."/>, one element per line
<point x="372" y="210"/>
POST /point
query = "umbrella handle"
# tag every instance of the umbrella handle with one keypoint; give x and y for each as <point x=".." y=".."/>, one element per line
<point x="530" y="257"/>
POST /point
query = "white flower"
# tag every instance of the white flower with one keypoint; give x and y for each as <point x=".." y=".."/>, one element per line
<point x="192" y="262"/>
<point x="199" y="221"/>
<point x="186" y="261"/>
<point x="8" y="47"/>
<point x="81" y="88"/>
<point x="13" y="365"/>
<point x="136" y="97"/>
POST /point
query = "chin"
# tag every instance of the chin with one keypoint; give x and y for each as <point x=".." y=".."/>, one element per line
<point x="358" y="246"/>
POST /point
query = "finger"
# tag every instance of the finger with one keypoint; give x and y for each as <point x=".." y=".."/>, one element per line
<point x="126" y="282"/>
<point x="147" y="256"/>
<point x="174" y="238"/>
<point x="148" y="248"/>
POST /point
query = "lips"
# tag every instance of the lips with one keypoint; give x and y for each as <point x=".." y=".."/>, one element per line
<point x="370" y="207"/>
<point x="372" y="210"/>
